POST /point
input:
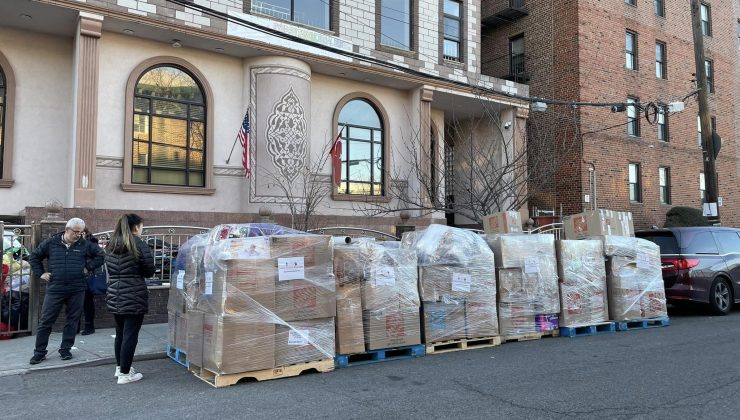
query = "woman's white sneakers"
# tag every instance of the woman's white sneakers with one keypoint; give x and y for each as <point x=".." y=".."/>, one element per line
<point x="127" y="378"/>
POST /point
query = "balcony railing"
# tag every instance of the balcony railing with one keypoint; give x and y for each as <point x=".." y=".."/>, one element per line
<point x="502" y="12"/>
<point x="517" y="69"/>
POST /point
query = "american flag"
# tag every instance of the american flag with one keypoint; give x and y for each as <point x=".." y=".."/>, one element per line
<point x="246" y="147"/>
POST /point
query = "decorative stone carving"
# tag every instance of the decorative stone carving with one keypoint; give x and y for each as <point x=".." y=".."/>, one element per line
<point x="286" y="135"/>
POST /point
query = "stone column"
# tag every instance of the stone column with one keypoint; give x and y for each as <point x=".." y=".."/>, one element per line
<point x="89" y="30"/>
<point x="425" y="108"/>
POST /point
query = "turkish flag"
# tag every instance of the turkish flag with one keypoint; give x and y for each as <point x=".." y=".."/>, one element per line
<point x="336" y="158"/>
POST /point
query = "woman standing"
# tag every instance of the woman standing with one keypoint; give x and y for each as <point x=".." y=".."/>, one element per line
<point x="129" y="261"/>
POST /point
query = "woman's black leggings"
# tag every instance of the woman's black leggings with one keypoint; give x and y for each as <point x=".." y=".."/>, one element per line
<point x="127" y="336"/>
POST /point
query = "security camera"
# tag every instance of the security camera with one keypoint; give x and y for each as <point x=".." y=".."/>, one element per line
<point x="507" y="125"/>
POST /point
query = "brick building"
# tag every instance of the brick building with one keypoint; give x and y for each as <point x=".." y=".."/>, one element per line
<point x="621" y="51"/>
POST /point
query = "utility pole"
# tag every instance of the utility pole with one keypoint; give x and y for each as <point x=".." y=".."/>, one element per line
<point x="708" y="153"/>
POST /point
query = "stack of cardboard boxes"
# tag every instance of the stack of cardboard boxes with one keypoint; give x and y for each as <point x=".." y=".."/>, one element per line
<point x="634" y="278"/>
<point x="262" y="302"/>
<point x="583" y="296"/>
<point x="457" y="283"/>
<point x="528" y="296"/>
<point x="183" y="288"/>
<point x="598" y="223"/>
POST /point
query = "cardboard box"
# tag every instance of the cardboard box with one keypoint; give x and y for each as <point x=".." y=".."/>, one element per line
<point x="443" y="322"/>
<point x="181" y="331"/>
<point x="598" y="222"/>
<point x="538" y="293"/>
<point x="348" y="267"/>
<point x="244" y="287"/>
<point x="298" y="300"/>
<point x="481" y="319"/>
<point x="503" y="222"/>
<point x="388" y="285"/>
<point x="444" y="283"/>
<point x="624" y="289"/>
<point x="304" y="341"/>
<point x="316" y="251"/>
<point x="194" y="345"/>
<point x="392" y="327"/>
<point x="350" y="330"/>
<point x="516" y="319"/>
<point x="171" y="327"/>
<point x="580" y="306"/>
<point x="582" y="274"/>
<point x="234" y="344"/>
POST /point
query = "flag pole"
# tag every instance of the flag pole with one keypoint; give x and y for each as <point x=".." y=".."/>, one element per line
<point x="232" y="148"/>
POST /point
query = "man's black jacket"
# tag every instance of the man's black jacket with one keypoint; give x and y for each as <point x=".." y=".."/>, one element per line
<point x="66" y="265"/>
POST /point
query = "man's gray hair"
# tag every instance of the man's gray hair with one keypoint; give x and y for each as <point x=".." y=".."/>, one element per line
<point x="75" y="221"/>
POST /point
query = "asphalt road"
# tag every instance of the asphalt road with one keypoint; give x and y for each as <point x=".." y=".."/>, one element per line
<point x="690" y="369"/>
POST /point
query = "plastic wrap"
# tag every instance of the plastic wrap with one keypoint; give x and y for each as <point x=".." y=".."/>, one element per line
<point x="457" y="283"/>
<point x="503" y="222"/>
<point x="259" y="302"/>
<point x="349" y="274"/>
<point x="583" y="296"/>
<point x="598" y="222"/>
<point x="634" y="278"/>
<point x="391" y="327"/>
<point x="528" y="295"/>
<point x="183" y="282"/>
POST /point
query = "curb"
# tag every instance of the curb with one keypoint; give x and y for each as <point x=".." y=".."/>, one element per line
<point x="83" y="363"/>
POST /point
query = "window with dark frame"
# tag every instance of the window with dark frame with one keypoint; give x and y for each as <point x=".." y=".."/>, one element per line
<point x="169" y="128"/>
<point x="706" y="19"/>
<point x="633" y="119"/>
<point x="316" y="13"/>
<point x="709" y="70"/>
<point x="631" y="50"/>
<point x="659" y="7"/>
<point x="452" y="21"/>
<point x="395" y="23"/>
<point x="664" y="181"/>
<point x="517" y="67"/>
<point x="631" y="2"/>
<point x="363" y="159"/>
<point x="660" y="61"/>
<point x="2" y="119"/>
<point x="702" y="188"/>
<point x="634" y="183"/>
<point x="662" y="123"/>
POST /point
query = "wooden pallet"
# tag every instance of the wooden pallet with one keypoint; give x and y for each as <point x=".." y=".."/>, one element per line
<point x="381" y="355"/>
<point x="640" y="324"/>
<point x="586" y="330"/>
<point x="179" y="356"/>
<point x="462" y="344"/>
<point x="220" y="380"/>
<point x="529" y="336"/>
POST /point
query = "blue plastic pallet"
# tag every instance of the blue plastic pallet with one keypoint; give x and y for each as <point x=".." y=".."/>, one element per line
<point x="586" y="330"/>
<point x="382" y="355"/>
<point x="178" y="356"/>
<point x="640" y="324"/>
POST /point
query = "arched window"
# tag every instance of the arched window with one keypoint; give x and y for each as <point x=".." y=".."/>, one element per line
<point x="2" y="118"/>
<point x="169" y="128"/>
<point x="7" y="85"/>
<point x="363" y="154"/>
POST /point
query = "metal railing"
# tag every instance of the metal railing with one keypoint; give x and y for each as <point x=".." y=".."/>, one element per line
<point x="354" y="232"/>
<point x="518" y="67"/>
<point x="553" y="228"/>
<point x="165" y="242"/>
<point x="516" y="4"/>
<point x="17" y="304"/>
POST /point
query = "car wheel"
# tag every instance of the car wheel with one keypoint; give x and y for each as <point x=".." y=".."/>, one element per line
<point x="720" y="297"/>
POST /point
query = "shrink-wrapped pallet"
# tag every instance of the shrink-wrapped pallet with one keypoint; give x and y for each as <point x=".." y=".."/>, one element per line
<point x="583" y="296"/>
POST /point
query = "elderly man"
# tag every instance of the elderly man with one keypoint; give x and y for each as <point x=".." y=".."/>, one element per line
<point x="69" y="257"/>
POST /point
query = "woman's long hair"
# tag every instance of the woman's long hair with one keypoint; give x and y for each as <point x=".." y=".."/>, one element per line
<point x="122" y="240"/>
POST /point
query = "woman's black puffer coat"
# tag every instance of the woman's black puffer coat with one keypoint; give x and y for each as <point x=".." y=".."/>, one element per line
<point x="127" y="291"/>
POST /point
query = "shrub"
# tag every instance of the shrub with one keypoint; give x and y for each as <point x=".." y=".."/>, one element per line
<point x="685" y="216"/>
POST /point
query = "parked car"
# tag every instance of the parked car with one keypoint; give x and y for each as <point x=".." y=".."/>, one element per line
<point x="700" y="264"/>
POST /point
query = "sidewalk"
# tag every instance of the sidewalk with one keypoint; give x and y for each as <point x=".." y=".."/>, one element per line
<point x="94" y="349"/>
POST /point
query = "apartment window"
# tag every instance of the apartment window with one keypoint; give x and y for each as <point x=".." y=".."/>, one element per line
<point x="660" y="61"/>
<point x="702" y="187"/>
<point x="516" y="58"/>
<point x="315" y="13"/>
<point x="664" y="181"/>
<point x="662" y="122"/>
<point x="709" y="70"/>
<point x="633" y="121"/>
<point x="631" y="51"/>
<point x="634" y="182"/>
<point x="659" y="7"/>
<point x="631" y="2"/>
<point x="169" y="128"/>
<point x="698" y="128"/>
<point x="7" y="94"/>
<point x="395" y="23"/>
<point x="452" y="30"/>
<point x="706" y="19"/>
<point x="363" y="160"/>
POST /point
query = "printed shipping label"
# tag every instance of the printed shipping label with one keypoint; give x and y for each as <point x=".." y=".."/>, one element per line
<point x="531" y="265"/>
<point x="180" y="279"/>
<point x="298" y="337"/>
<point x="291" y="268"/>
<point x="643" y="260"/>
<point x="209" y="283"/>
<point x="461" y="282"/>
<point x="385" y="275"/>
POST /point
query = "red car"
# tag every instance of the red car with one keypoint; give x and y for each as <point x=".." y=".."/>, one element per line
<point x="700" y="264"/>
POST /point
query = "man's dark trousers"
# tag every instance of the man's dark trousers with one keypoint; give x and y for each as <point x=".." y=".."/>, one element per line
<point x="53" y="303"/>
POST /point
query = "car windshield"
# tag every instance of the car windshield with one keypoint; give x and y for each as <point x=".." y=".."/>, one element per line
<point x="665" y="240"/>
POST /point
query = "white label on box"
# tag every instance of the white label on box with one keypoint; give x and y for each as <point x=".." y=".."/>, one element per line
<point x="461" y="282"/>
<point x="385" y="275"/>
<point x="298" y="337"/>
<point x="180" y="279"/>
<point x="531" y="265"/>
<point x="209" y="283"/>
<point x="291" y="268"/>
<point x="643" y="260"/>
